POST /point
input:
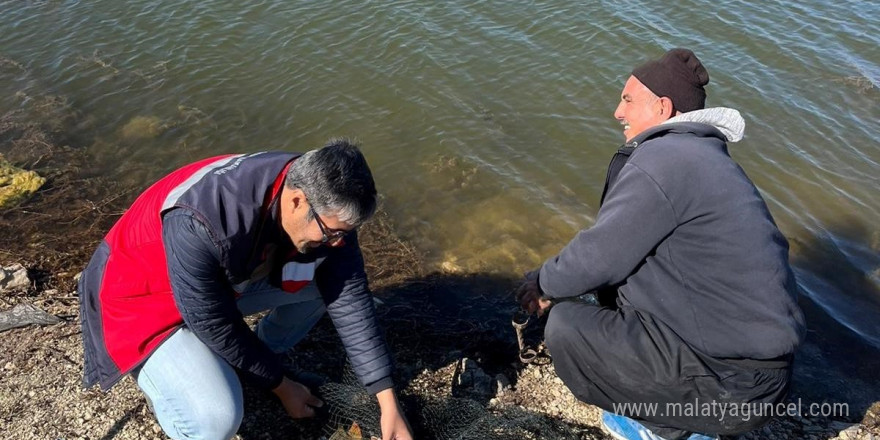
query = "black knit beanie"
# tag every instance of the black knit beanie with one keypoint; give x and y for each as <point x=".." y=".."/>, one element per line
<point x="678" y="75"/>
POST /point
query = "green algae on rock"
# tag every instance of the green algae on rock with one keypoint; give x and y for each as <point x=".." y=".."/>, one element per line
<point x="16" y="184"/>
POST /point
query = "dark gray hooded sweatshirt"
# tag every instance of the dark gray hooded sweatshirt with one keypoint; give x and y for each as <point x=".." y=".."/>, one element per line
<point x="685" y="236"/>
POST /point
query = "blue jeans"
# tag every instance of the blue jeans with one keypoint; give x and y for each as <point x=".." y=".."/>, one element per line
<point x="194" y="393"/>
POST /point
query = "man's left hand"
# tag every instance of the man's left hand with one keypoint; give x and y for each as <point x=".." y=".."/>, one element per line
<point x="393" y="423"/>
<point x="394" y="427"/>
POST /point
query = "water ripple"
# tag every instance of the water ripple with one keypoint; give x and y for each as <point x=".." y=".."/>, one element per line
<point x="519" y="96"/>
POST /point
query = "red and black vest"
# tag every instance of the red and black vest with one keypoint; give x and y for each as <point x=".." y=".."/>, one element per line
<point x="127" y="306"/>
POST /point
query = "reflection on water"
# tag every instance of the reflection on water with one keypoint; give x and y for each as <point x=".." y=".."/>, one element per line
<point x="842" y="275"/>
<point x="488" y="125"/>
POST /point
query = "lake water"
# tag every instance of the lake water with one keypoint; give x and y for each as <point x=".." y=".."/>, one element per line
<point x="487" y="124"/>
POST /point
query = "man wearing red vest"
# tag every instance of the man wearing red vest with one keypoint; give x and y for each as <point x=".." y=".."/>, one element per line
<point x="164" y="295"/>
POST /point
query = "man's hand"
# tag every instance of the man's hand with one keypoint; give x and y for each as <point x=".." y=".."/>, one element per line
<point x="529" y="297"/>
<point x="393" y="423"/>
<point x="297" y="399"/>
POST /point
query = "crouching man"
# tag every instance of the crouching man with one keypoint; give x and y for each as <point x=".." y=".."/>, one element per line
<point x="702" y="319"/>
<point x="164" y="295"/>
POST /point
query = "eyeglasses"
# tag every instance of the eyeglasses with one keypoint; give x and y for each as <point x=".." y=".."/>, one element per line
<point x="327" y="235"/>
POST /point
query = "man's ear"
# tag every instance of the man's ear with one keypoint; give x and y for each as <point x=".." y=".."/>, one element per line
<point x="296" y="197"/>
<point x="665" y="107"/>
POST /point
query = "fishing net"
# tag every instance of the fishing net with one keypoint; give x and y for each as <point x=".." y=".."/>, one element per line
<point x="354" y="415"/>
<point x="466" y="419"/>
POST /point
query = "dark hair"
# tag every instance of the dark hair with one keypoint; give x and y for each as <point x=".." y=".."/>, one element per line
<point x="336" y="180"/>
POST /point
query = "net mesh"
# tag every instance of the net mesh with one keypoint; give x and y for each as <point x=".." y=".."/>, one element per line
<point x="355" y="415"/>
<point x="466" y="419"/>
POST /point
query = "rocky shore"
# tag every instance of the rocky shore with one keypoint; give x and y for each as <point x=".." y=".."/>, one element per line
<point x="456" y="359"/>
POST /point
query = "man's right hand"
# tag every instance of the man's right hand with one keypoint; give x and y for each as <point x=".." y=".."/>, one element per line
<point x="529" y="297"/>
<point x="297" y="399"/>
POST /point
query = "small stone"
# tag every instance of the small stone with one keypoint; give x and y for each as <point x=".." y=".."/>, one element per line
<point x="450" y="267"/>
<point x="9" y="366"/>
<point x="14" y="277"/>
<point x="502" y="382"/>
<point x="852" y="432"/>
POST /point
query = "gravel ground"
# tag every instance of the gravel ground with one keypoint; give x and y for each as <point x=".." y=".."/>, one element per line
<point x="41" y="396"/>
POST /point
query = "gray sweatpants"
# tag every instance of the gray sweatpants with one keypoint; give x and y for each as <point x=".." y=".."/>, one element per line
<point x="625" y="361"/>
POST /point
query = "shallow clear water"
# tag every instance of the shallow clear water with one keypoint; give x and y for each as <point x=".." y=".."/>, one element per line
<point x="488" y="124"/>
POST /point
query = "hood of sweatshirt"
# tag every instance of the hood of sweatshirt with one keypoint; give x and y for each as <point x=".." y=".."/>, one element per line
<point x="727" y="120"/>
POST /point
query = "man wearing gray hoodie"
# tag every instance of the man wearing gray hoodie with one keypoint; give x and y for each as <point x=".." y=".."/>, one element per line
<point x="697" y="316"/>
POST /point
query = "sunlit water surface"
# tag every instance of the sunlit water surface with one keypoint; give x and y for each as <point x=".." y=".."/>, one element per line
<point x="487" y="124"/>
